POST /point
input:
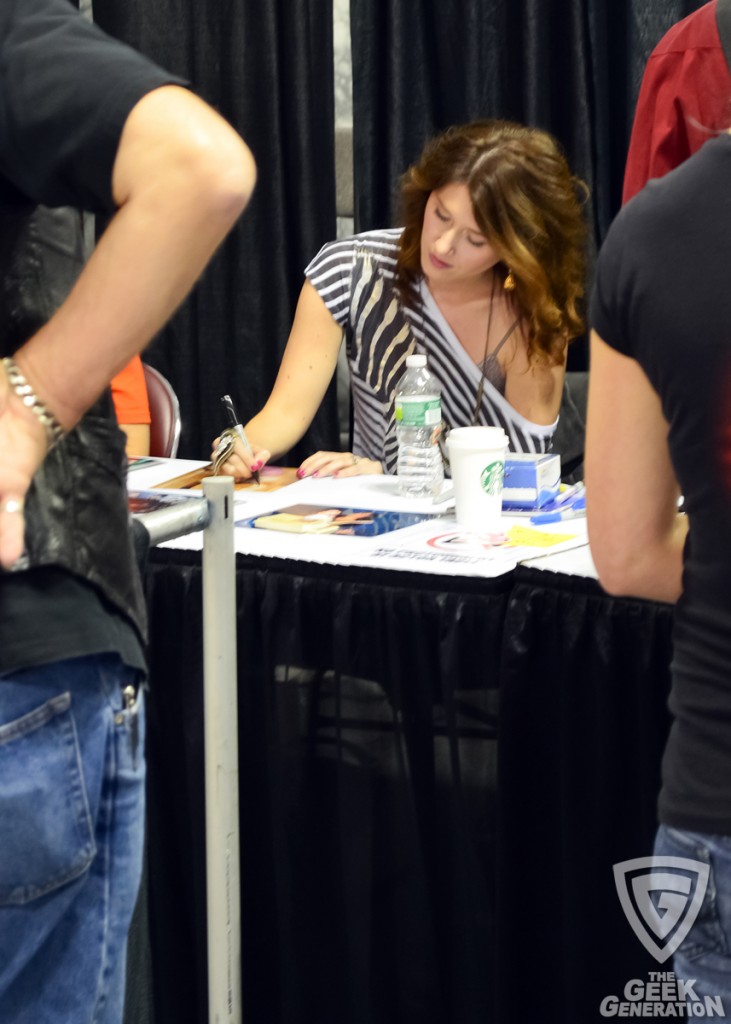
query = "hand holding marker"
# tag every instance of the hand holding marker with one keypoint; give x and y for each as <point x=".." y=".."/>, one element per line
<point x="237" y="427"/>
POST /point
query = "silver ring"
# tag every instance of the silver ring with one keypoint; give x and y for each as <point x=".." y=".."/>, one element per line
<point x="12" y="505"/>
<point x="356" y="459"/>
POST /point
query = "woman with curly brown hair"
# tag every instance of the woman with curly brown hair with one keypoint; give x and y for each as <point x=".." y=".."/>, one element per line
<point x="485" y="277"/>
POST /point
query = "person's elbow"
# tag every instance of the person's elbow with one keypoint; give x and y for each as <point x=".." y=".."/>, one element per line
<point x="620" y="572"/>
<point x="176" y="153"/>
<point x="221" y="174"/>
<point x="619" y="561"/>
<point x="629" y="564"/>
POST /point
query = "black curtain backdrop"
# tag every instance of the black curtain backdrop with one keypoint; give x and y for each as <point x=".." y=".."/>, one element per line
<point x="267" y="67"/>
<point x="572" y="67"/>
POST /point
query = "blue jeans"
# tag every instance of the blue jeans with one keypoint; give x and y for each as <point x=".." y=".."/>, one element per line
<point x="704" y="956"/>
<point x="71" y="832"/>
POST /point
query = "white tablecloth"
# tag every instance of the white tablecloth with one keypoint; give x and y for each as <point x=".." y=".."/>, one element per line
<point x="436" y="545"/>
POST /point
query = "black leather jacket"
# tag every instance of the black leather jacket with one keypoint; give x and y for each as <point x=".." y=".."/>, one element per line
<point x="76" y="509"/>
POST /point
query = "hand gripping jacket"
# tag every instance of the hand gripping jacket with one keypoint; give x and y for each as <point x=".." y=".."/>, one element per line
<point x="76" y="509"/>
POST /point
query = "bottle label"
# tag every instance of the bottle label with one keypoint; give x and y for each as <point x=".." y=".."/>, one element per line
<point x="418" y="410"/>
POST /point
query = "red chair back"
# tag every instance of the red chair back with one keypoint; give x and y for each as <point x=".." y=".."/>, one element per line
<point x="164" y="414"/>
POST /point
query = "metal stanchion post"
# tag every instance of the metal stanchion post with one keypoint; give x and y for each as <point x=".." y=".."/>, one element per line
<point x="215" y="516"/>
<point x="221" y="755"/>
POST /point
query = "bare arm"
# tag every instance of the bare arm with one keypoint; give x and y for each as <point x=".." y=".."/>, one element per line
<point x="181" y="178"/>
<point x="138" y="439"/>
<point x="635" y="532"/>
<point x="308" y="365"/>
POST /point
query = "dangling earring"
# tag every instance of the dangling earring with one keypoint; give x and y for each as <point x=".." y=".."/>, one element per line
<point x="509" y="282"/>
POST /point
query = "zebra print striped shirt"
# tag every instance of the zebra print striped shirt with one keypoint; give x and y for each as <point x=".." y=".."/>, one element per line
<point x="356" y="279"/>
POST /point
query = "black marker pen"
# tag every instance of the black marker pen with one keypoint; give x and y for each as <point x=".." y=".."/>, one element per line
<point x="236" y="425"/>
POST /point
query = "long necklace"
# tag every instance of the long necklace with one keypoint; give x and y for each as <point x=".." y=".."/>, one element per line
<point x="483" y="364"/>
<point x="481" y="385"/>
<point x="486" y="356"/>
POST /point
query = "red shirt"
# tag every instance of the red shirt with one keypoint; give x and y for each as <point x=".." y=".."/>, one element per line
<point x="684" y="98"/>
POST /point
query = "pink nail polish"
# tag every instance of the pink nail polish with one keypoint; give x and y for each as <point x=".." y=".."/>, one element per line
<point x="315" y="473"/>
<point x="300" y="473"/>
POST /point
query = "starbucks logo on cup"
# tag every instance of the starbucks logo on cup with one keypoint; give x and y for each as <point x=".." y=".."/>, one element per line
<point x="491" y="478"/>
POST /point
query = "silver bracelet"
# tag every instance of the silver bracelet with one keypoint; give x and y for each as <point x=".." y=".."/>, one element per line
<point x="21" y="387"/>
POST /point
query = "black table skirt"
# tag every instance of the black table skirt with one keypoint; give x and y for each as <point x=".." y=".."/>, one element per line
<point x="376" y="886"/>
<point x="367" y="708"/>
<point x="584" y="680"/>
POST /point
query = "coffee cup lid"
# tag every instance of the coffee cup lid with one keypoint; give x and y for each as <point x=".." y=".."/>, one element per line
<point x="478" y="437"/>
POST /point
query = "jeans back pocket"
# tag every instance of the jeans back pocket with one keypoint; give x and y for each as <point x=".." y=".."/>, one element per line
<point x="46" y="832"/>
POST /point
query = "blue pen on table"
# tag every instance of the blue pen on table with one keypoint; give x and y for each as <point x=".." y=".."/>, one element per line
<point x="567" y="496"/>
<point x="236" y="425"/>
<point x="575" y="510"/>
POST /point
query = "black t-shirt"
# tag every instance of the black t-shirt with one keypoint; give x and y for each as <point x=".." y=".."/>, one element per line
<point x="66" y="92"/>
<point x="662" y="296"/>
<point x="48" y="615"/>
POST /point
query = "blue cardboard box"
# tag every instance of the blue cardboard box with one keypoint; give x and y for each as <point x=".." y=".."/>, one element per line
<point x="530" y="481"/>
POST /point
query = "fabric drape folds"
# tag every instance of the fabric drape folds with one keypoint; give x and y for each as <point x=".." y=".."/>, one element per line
<point x="571" y="67"/>
<point x="419" y="67"/>
<point x="583" y="723"/>
<point x="268" y="68"/>
<point x="386" y="877"/>
<point x="367" y="719"/>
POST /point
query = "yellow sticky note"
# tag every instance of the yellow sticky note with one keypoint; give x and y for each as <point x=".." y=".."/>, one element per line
<point x="525" y="535"/>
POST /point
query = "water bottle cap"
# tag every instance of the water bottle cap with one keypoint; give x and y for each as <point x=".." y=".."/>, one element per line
<point x="417" y="359"/>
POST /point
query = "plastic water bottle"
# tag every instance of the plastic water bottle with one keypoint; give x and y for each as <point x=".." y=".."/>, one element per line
<point x="418" y="426"/>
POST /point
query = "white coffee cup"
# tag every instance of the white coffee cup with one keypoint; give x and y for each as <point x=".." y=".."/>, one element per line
<point x="477" y="461"/>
